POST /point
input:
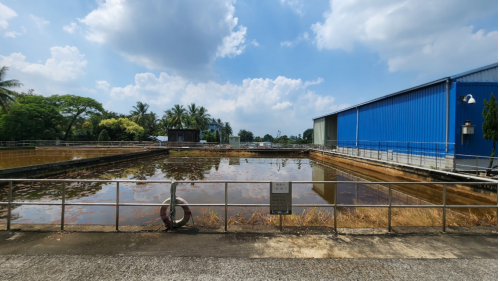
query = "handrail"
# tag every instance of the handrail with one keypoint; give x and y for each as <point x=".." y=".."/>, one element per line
<point x="226" y="204"/>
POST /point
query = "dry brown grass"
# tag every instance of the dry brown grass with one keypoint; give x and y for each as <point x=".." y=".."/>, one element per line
<point x="359" y="217"/>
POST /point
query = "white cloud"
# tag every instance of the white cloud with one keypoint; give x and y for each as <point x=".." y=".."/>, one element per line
<point x="250" y="105"/>
<point x="14" y="34"/>
<point x="65" y="64"/>
<point x="255" y="43"/>
<point x="71" y="28"/>
<point x="413" y="34"/>
<point x="6" y="14"/>
<point x="295" y="5"/>
<point x="40" y="22"/>
<point x="102" y="85"/>
<point x="184" y="37"/>
<point x="303" y="37"/>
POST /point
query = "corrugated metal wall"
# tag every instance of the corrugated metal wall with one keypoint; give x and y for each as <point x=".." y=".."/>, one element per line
<point x="485" y="75"/>
<point x="319" y="131"/>
<point x="346" y="125"/>
<point x="418" y="116"/>
<point x="473" y="112"/>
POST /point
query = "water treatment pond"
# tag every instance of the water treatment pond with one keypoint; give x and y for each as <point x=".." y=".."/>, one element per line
<point x="27" y="157"/>
<point x="166" y="167"/>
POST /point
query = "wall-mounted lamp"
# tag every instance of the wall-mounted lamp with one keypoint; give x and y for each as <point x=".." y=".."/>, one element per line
<point x="471" y="100"/>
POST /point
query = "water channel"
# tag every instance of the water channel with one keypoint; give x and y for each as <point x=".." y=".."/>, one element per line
<point x="165" y="167"/>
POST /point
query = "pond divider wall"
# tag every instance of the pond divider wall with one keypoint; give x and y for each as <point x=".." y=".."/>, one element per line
<point x="406" y="173"/>
<point x="44" y="170"/>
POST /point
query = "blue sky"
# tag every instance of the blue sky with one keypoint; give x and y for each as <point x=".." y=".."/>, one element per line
<point x="263" y="66"/>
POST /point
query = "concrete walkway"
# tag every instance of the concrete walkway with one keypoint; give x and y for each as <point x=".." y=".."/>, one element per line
<point x="200" y="255"/>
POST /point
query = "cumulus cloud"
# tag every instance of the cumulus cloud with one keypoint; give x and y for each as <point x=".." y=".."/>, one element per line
<point x="66" y="63"/>
<point x="71" y="28"/>
<point x="412" y="35"/>
<point x="6" y="14"/>
<point x="102" y="85"/>
<point x="180" y="36"/>
<point x="250" y="105"/>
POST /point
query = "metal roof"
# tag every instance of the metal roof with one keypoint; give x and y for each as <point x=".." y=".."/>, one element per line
<point x="488" y="73"/>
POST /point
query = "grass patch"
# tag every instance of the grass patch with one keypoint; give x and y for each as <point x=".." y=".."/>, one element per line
<point x="351" y="218"/>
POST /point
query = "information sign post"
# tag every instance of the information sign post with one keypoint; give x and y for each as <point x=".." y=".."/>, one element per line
<point x="280" y="197"/>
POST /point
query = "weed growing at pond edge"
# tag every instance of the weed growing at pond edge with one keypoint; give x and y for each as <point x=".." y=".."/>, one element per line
<point x="359" y="217"/>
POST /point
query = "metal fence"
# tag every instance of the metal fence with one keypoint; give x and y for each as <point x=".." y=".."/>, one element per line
<point x="433" y="155"/>
<point x="444" y="206"/>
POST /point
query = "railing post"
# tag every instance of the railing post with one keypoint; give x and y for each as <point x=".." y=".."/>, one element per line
<point x="335" y="208"/>
<point x="444" y="207"/>
<point x="477" y="166"/>
<point x="390" y="209"/>
<point x="436" y="155"/>
<point x="9" y="206"/>
<point x="421" y="153"/>
<point x="173" y="188"/>
<point x="63" y="205"/>
<point x="225" y="208"/>
<point x="454" y="157"/>
<point x="378" y="154"/>
<point x="117" y="216"/>
<point x="408" y="152"/>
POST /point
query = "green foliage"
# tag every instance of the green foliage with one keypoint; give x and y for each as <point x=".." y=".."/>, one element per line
<point x="245" y="136"/>
<point x="30" y="122"/>
<point x="103" y="136"/>
<point x="490" y="125"/>
<point x="490" y="115"/>
<point x="217" y="136"/>
<point x="268" y="137"/>
<point x="122" y="129"/>
<point x="307" y="135"/>
<point x="6" y="95"/>
<point x="209" y="137"/>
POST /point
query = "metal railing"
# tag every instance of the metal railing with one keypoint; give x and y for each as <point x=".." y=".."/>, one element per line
<point x="433" y="155"/>
<point x="10" y="203"/>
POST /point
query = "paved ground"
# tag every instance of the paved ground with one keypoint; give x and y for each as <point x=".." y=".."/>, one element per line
<point x="155" y="255"/>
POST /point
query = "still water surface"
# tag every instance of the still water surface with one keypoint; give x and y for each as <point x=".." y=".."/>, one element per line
<point x="203" y="169"/>
<point x="27" y="157"/>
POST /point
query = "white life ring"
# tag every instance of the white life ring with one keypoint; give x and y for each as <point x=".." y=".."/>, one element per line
<point x="165" y="215"/>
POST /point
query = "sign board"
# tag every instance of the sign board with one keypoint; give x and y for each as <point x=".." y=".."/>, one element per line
<point x="281" y="198"/>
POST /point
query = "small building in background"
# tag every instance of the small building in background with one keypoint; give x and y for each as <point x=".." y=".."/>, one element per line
<point x="234" y="141"/>
<point x="183" y="135"/>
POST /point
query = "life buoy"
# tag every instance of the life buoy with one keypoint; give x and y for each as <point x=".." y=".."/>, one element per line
<point x="166" y="218"/>
<point x="228" y="146"/>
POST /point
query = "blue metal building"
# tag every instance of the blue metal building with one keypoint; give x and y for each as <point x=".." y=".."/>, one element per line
<point x="428" y="118"/>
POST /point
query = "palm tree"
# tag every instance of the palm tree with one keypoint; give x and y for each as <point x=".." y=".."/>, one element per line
<point x="202" y="118"/>
<point x="138" y="115"/>
<point x="151" y="123"/>
<point x="176" y="116"/>
<point x="226" y="131"/>
<point x="5" y="94"/>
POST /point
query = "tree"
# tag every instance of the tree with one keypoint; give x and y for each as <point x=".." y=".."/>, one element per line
<point x="138" y="114"/>
<point x="227" y="131"/>
<point x="307" y="135"/>
<point x="122" y="129"/>
<point x="245" y="136"/>
<point x="103" y="136"/>
<point x="268" y="137"/>
<point x="176" y="116"/>
<point x="6" y="99"/>
<point x="490" y="126"/>
<point x="217" y="136"/>
<point x="32" y="121"/>
<point x="73" y="107"/>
